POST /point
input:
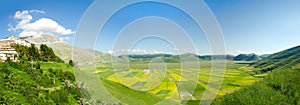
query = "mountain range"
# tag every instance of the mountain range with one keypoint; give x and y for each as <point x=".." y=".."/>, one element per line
<point x="64" y="50"/>
<point x="247" y="57"/>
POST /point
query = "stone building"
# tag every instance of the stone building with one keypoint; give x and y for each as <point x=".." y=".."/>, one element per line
<point x="6" y="51"/>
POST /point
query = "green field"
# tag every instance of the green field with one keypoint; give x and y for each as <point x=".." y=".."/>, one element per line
<point x="173" y="85"/>
<point x="281" y="87"/>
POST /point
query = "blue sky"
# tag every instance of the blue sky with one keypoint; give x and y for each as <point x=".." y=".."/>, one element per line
<point x="249" y="26"/>
<point x="66" y="13"/>
<point x="260" y="26"/>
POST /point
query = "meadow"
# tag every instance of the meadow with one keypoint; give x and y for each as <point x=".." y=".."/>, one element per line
<point x="281" y="87"/>
<point x="146" y="84"/>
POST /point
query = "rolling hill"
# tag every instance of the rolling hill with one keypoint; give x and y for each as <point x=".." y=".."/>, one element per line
<point x="246" y="57"/>
<point x="209" y="57"/>
<point x="281" y="86"/>
<point x="176" y="58"/>
<point x="286" y="58"/>
<point x="41" y="80"/>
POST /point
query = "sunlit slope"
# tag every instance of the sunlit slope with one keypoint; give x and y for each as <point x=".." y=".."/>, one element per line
<point x="65" y="50"/>
<point x="281" y="86"/>
<point x="286" y="58"/>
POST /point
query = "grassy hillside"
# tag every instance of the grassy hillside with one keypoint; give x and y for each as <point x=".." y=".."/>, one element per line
<point x="280" y="87"/>
<point x="286" y="58"/>
<point x="37" y="78"/>
<point x="40" y="85"/>
<point x="127" y="95"/>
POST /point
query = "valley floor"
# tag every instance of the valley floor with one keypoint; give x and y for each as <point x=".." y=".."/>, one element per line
<point x="136" y="85"/>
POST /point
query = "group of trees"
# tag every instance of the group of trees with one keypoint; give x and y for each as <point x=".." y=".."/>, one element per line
<point x="43" y="53"/>
<point x="25" y="83"/>
<point x="20" y="84"/>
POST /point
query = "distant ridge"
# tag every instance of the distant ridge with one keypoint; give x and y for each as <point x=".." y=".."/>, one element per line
<point x="176" y="58"/>
<point x="64" y="50"/>
<point x="246" y="57"/>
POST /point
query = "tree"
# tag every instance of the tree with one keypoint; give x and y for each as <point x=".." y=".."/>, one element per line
<point x="71" y="63"/>
<point x="45" y="53"/>
<point x="33" y="52"/>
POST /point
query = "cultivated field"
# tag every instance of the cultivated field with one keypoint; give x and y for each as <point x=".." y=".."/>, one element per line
<point x="150" y="84"/>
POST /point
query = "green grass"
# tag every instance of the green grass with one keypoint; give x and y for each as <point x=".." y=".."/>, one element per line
<point x="280" y="87"/>
<point x="53" y="65"/>
<point x="162" y="93"/>
<point x="138" y="85"/>
<point x="130" y="96"/>
<point x="9" y="97"/>
<point x="286" y="58"/>
<point x="22" y="85"/>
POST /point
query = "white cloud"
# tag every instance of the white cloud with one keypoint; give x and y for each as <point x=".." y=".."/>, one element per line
<point x="40" y="26"/>
<point x="24" y="17"/>
<point x="239" y="52"/>
<point x="44" y="26"/>
<point x="36" y="11"/>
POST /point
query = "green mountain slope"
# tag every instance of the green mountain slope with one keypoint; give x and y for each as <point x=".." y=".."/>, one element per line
<point x="39" y="80"/>
<point x="65" y="50"/>
<point x="22" y="85"/>
<point x="168" y="58"/>
<point x="286" y="58"/>
<point x="280" y="87"/>
<point x="246" y="57"/>
<point x="209" y="57"/>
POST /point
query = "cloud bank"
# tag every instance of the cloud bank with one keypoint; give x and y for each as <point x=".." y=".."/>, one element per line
<point x="38" y="27"/>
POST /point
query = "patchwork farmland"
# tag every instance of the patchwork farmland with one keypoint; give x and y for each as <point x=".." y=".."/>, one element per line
<point x="172" y="83"/>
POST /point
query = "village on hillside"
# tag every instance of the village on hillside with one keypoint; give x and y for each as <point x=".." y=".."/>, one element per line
<point x="6" y="51"/>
